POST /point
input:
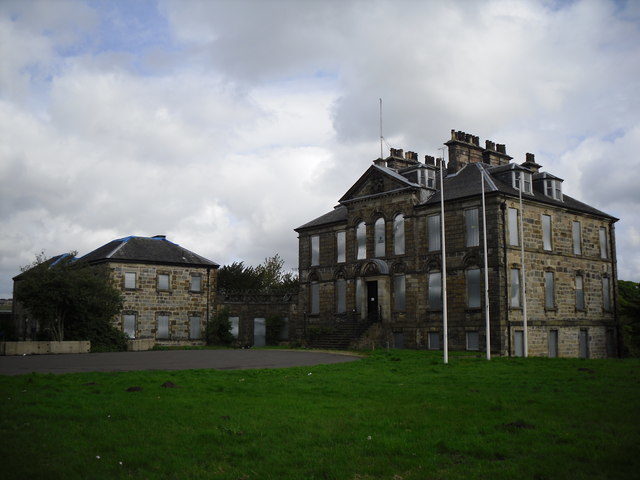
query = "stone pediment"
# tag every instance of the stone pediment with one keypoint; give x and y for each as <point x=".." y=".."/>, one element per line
<point x="376" y="181"/>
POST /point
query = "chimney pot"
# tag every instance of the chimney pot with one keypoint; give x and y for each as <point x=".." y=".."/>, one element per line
<point x="500" y="147"/>
<point x="489" y="145"/>
<point x="411" y="156"/>
<point x="429" y="160"/>
<point x="531" y="158"/>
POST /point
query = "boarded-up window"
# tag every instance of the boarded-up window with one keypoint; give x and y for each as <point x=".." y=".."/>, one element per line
<point x="341" y="295"/>
<point x="235" y="326"/>
<point x="196" y="283"/>
<point x="604" y="247"/>
<point x="473" y="288"/>
<point x="546" y="232"/>
<point x="361" y="237"/>
<point x="513" y="227"/>
<point x="399" y="292"/>
<point x="130" y="280"/>
<point x="583" y="343"/>
<point x="553" y="343"/>
<point x="434" y="341"/>
<point x="259" y="332"/>
<point x="473" y="341"/>
<point x="315" y="250"/>
<point x="577" y="240"/>
<point x="471" y="227"/>
<point x="549" y="289"/>
<point x="359" y="295"/>
<point x="162" y="330"/>
<point x="433" y="231"/>
<point x="579" y="292"/>
<point x="341" y="247"/>
<point x="435" y="291"/>
<point x="606" y="297"/>
<point x="379" y="230"/>
<point x="518" y="343"/>
<point x="314" y="298"/>
<point x="163" y="281"/>
<point x="129" y="325"/>
<point x="194" y="328"/>
<point x="514" y="288"/>
<point x="398" y="235"/>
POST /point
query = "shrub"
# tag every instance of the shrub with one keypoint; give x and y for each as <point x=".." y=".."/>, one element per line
<point x="218" y="329"/>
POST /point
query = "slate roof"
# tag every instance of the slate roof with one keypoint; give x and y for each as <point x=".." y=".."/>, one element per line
<point x="338" y="214"/>
<point x="153" y="250"/>
<point x="466" y="183"/>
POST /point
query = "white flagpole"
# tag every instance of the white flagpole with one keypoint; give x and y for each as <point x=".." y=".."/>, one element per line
<point x="445" y="336"/>
<point x="486" y="270"/>
<point x="524" y="276"/>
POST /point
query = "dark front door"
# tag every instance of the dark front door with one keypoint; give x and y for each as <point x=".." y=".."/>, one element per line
<point x="372" y="301"/>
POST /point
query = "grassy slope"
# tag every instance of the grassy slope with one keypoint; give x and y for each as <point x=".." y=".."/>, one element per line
<point x="508" y="418"/>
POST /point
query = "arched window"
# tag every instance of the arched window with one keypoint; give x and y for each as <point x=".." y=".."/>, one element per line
<point x="361" y="237"/>
<point x="379" y="238"/>
<point x="398" y="234"/>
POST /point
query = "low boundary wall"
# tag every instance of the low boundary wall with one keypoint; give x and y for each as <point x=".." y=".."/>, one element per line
<point x="31" y="348"/>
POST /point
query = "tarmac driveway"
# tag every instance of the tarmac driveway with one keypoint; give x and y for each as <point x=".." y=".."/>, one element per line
<point x="165" y="360"/>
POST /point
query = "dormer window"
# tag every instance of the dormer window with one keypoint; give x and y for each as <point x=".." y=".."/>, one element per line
<point x="553" y="189"/>
<point x="518" y="177"/>
<point x="431" y="178"/>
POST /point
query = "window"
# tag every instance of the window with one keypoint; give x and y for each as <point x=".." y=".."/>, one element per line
<point x="546" y="232"/>
<point x="315" y="250"/>
<point x="473" y="341"/>
<point x="399" y="293"/>
<point x="433" y="341"/>
<point x="577" y="240"/>
<point x="398" y="234"/>
<point x="379" y="237"/>
<point x="435" y="291"/>
<point x="314" y="298"/>
<point x="130" y="280"/>
<point x="341" y="247"/>
<point x="361" y="237"/>
<point x="519" y="178"/>
<point x="162" y="328"/>
<point x="471" y="227"/>
<point x="553" y="343"/>
<point x="196" y="283"/>
<point x="431" y="178"/>
<point x="549" y="300"/>
<point x="513" y="227"/>
<point x="473" y="288"/>
<point x="163" y="281"/>
<point x="553" y="189"/>
<point x="235" y="326"/>
<point x="579" y="292"/>
<point x="129" y="325"/>
<point x="341" y="295"/>
<point x="359" y="295"/>
<point x="194" y="328"/>
<point x="604" y="247"/>
<point x="514" y="288"/>
<point x="583" y="343"/>
<point x="433" y="230"/>
<point x="518" y="341"/>
<point x="606" y="297"/>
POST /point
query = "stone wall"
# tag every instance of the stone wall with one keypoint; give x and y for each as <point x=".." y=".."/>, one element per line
<point x="179" y="303"/>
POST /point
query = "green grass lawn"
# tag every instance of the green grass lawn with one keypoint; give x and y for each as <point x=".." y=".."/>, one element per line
<point x="394" y="415"/>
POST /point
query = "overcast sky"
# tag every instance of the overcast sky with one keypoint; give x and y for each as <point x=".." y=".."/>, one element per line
<point x="224" y="125"/>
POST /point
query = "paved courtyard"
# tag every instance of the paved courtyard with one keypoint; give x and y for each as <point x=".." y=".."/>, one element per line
<point x="165" y="360"/>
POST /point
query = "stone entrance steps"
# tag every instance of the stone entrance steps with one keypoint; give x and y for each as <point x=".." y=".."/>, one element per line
<point x="338" y="336"/>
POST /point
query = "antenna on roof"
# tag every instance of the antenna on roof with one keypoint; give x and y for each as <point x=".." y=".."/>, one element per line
<point x="381" y="137"/>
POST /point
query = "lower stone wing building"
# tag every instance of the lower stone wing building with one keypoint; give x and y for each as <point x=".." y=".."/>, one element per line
<point x="168" y="291"/>
<point x="371" y="269"/>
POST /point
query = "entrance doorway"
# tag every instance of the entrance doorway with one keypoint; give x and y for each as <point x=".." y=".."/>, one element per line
<point x="372" y="301"/>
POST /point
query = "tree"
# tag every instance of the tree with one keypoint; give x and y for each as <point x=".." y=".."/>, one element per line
<point x="629" y="309"/>
<point x="69" y="299"/>
<point x="269" y="275"/>
<point x="218" y="330"/>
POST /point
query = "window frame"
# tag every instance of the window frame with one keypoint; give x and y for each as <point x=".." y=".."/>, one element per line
<point x="158" y="317"/>
<point x="513" y="226"/>
<point x="135" y="280"/>
<point x="341" y="246"/>
<point x="579" y="296"/>
<point x="341" y="295"/>
<point x="479" y="288"/>
<point x="361" y="241"/>
<point x="515" y="287"/>
<point x="470" y="235"/>
<point x="160" y="275"/>
<point x="192" y="276"/>
<point x="467" y="335"/>
<point x="576" y="237"/>
<point x="434" y="240"/>
<point x="604" y="243"/>
<point x="435" y="305"/>
<point x="547" y="236"/>
<point x="314" y="245"/>
<point x="606" y="294"/>
<point x="399" y="233"/>
<point x="549" y="290"/>
<point x="380" y="232"/>
<point x="314" y="298"/>
<point x="192" y="317"/>
<point x="399" y="292"/>
<point x="135" y="324"/>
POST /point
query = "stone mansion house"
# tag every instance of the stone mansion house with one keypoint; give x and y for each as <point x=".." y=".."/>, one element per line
<point x="372" y="267"/>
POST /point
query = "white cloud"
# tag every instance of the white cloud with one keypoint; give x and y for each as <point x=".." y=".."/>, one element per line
<point x="246" y="119"/>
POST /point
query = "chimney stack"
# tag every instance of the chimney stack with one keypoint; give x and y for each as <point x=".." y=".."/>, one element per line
<point x="411" y="156"/>
<point x="531" y="164"/>
<point x="429" y="160"/>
